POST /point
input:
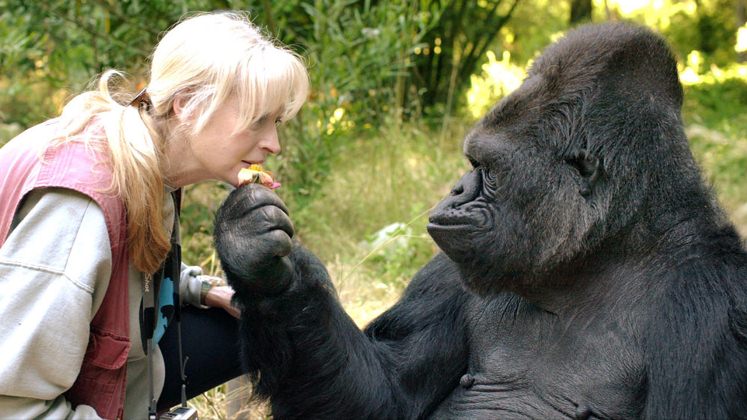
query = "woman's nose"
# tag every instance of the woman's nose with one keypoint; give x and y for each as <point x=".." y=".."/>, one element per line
<point x="271" y="142"/>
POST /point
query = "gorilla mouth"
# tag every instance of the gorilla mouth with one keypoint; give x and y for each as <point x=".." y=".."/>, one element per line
<point x="450" y="234"/>
<point x="449" y="228"/>
<point x="451" y="221"/>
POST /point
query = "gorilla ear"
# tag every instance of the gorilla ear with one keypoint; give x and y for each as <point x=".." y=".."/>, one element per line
<point x="588" y="167"/>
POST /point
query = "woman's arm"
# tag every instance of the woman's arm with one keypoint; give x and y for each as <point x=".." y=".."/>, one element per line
<point x="54" y="270"/>
<point x="204" y="291"/>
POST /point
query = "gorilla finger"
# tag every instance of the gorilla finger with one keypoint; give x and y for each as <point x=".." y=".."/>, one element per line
<point x="253" y="247"/>
<point x="270" y="218"/>
<point x="270" y="280"/>
<point x="281" y="243"/>
<point x="249" y="197"/>
<point x="258" y="258"/>
<point x="234" y="246"/>
<point x="279" y="279"/>
<point x="257" y="222"/>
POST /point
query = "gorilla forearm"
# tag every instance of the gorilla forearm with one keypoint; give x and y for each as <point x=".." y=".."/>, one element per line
<point x="306" y="354"/>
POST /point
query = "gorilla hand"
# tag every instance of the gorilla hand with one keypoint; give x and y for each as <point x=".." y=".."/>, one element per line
<point x="253" y="238"/>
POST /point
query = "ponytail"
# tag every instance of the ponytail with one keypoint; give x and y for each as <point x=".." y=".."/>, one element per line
<point x="136" y="173"/>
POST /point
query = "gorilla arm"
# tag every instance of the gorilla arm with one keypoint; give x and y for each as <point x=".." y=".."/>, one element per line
<point x="306" y="354"/>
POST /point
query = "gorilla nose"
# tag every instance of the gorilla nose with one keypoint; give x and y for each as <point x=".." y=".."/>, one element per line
<point x="466" y="190"/>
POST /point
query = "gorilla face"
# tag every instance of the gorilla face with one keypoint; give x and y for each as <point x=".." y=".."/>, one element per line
<point x="569" y="162"/>
<point x="534" y="194"/>
<point x="521" y="211"/>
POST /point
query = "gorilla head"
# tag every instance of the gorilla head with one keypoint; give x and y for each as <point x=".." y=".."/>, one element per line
<point x="588" y="153"/>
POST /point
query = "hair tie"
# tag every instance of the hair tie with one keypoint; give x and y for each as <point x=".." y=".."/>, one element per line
<point x="142" y="98"/>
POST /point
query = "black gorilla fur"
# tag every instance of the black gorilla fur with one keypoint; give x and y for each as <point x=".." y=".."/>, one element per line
<point x="586" y="270"/>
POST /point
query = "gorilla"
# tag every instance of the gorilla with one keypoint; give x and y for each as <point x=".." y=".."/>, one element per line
<point x="586" y="270"/>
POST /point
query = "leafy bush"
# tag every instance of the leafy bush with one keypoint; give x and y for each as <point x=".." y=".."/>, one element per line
<point x="357" y="54"/>
<point x="716" y="117"/>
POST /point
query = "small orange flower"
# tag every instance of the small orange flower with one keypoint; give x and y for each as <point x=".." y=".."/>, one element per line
<point x="256" y="174"/>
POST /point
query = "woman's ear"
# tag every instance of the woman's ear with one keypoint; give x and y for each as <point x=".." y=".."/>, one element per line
<point x="179" y="106"/>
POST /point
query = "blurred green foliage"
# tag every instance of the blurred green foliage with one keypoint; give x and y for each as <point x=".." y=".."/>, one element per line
<point x="357" y="54"/>
<point x="716" y="113"/>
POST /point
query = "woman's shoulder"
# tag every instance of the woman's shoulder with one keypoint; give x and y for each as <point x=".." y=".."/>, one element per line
<point x="33" y="139"/>
<point x="59" y="230"/>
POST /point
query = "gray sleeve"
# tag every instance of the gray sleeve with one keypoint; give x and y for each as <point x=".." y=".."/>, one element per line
<point x="190" y="285"/>
<point x="54" y="270"/>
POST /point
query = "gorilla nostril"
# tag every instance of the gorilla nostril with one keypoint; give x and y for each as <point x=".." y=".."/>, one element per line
<point x="457" y="190"/>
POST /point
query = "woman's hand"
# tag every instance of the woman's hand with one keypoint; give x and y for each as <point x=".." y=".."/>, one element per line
<point x="220" y="297"/>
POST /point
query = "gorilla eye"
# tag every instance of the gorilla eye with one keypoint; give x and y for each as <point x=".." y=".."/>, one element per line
<point x="584" y="163"/>
<point x="579" y="166"/>
<point x="488" y="177"/>
<point x="475" y="164"/>
<point x="588" y="167"/>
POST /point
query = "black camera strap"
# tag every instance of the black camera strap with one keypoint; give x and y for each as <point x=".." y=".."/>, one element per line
<point x="171" y="268"/>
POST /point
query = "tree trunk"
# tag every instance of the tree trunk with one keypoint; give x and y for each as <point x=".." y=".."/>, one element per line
<point x="741" y="18"/>
<point x="465" y="29"/>
<point x="580" y="11"/>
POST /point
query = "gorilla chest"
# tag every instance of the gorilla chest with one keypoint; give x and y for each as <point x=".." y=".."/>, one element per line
<point x="534" y="367"/>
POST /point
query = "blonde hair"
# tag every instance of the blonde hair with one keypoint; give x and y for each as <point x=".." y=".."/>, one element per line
<point x="206" y="58"/>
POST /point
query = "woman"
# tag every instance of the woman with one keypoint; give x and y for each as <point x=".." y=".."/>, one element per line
<point x="87" y="218"/>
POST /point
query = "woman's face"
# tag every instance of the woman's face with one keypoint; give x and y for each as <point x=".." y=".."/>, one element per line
<point x="217" y="152"/>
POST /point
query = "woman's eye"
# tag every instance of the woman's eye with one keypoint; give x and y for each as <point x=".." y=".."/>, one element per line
<point x="262" y="121"/>
<point x="259" y="123"/>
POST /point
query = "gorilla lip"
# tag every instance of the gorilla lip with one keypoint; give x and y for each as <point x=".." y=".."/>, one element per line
<point x="441" y="235"/>
<point x="445" y="220"/>
<point x="439" y="226"/>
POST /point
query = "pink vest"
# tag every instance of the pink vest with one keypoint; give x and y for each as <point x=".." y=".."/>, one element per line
<point x="26" y="164"/>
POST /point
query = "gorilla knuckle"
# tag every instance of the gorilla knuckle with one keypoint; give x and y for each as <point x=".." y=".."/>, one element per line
<point x="281" y="242"/>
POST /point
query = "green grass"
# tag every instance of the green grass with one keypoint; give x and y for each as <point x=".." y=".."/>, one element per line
<point x="394" y="177"/>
